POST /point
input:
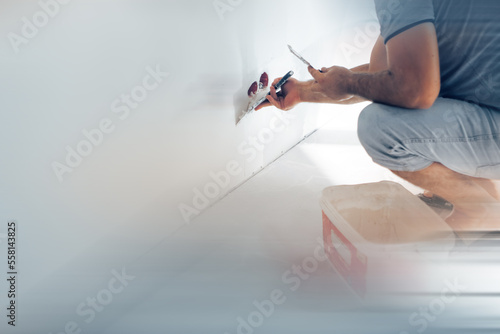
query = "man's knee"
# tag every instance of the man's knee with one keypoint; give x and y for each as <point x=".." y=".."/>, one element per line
<point x="371" y="124"/>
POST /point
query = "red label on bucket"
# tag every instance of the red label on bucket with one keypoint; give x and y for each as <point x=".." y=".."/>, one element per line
<point x="345" y="257"/>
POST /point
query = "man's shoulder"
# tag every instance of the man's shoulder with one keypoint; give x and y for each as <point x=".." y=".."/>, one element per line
<point x="397" y="16"/>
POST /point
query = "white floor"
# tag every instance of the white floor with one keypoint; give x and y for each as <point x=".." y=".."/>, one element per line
<point x="206" y="276"/>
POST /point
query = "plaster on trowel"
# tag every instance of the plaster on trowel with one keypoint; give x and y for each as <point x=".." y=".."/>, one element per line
<point x="260" y="100"/>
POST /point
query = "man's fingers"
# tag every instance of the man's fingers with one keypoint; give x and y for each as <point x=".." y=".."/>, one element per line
<point x="273" y="101"/>
<point x="273" y="93"/>
<point x="275" y="82"/>
<point x="264" y="104"/>
<point x="317" y="75"/>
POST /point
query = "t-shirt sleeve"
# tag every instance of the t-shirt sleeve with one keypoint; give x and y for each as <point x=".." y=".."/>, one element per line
<point x="397" y="16"/>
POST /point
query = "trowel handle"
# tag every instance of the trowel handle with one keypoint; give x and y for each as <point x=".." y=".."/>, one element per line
<point x="283" y="80"/>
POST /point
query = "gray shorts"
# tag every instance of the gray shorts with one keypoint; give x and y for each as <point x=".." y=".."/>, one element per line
<point x="462" y="136"/>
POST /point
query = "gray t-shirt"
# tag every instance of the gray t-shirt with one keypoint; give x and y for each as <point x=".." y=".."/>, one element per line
<point x="468" y="34"/>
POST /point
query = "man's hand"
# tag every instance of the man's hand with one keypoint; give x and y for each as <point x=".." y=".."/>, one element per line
<point x="287" y="98"/>
<point x="318" y="90"/>
<point x="331" y="82"/>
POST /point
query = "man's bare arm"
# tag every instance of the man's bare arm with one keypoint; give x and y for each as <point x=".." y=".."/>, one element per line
<point x="378" y="62"/>
<point x="403" y="73"/>
<point x="411" y="80"/>
<point x="307" y="95"/>
<point x="295" y="92"/>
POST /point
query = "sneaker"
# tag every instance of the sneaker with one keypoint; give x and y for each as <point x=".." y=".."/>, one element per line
<point x="441" y="206"/>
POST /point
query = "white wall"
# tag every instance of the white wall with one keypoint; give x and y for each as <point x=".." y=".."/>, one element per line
<point x="65" y="78"/>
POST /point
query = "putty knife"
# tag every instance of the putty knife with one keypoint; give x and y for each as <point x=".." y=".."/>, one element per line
<point x="296" y="54"/>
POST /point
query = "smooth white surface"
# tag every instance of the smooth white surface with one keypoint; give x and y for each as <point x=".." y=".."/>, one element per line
<point x="65" y="79"/>
<point x="205" y="275"/>
<point x="119" y="208"/>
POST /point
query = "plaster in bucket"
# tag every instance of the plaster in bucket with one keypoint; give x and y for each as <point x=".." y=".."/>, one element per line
<point x="379" y="232"/>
